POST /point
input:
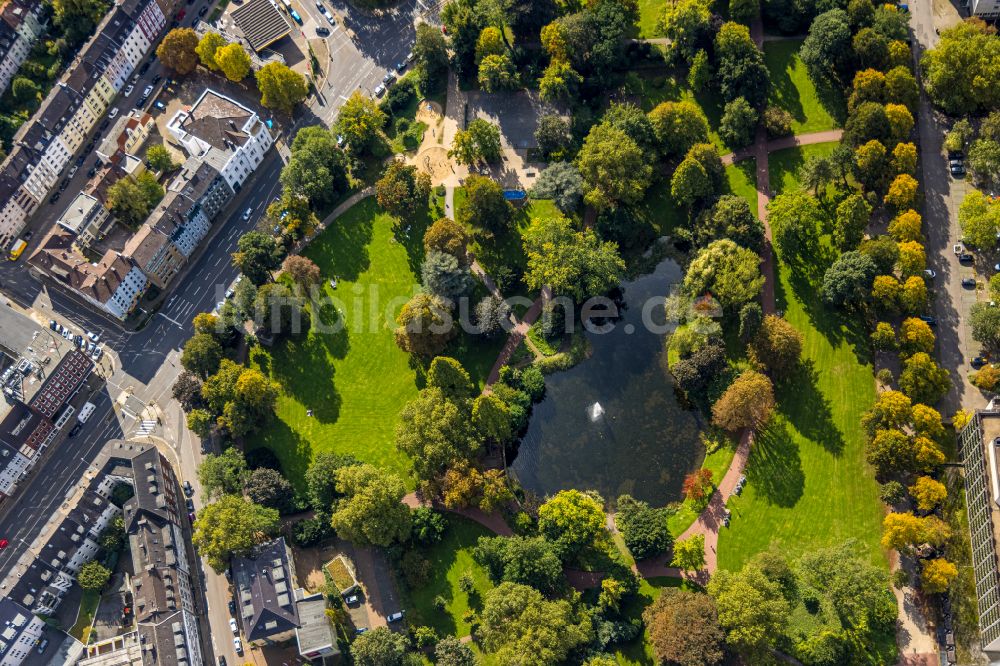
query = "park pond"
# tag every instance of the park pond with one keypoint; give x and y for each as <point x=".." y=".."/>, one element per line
<point x="614" y="423"/>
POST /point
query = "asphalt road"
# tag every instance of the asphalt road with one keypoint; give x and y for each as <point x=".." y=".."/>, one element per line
<point x="942" y="196"/>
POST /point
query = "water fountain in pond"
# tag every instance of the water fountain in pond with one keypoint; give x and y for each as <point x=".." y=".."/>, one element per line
<point x="595" y="411"/>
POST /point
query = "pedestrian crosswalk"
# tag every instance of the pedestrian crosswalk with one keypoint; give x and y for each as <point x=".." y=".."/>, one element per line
<point x="145" y="427"/>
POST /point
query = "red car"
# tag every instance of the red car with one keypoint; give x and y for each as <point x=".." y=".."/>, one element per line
<point x="3" y="543"/>
<point x="180" y="15"/>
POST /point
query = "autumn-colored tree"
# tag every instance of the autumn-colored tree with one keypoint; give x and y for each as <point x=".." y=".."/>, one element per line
<point x="902" y="192"/>
<point x="915" y="335"/>
<point x="936" y="575"/>
<point x="233" y="61"/>
<point x="904" y="159"/>
<point x="777" y="347"/>
<point x="302" y="269"/>
<point x="986" y="378"/>
<point x="887" y="293"/>
<point x="892" y="409"/>
<point x="177" y="50"/>
<point x="900" y="120"/>
<point x="447" y="236"/>
<point x="905" y="227"/>
<point x="913" y="295"/>
<point x="684" y="628"/>
<point x="747" y="403"/>
<point x="689" y="554"/>
<point x="425" y="325"/>
<point x="904" y="531"/>
<point x="928" y="493"/>
<point x="698" y="485"/>
<point x="884" y="337"/>
<point x="912" y="258"/>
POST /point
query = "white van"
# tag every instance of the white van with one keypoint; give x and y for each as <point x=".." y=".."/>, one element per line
<point x="86" y="411"/>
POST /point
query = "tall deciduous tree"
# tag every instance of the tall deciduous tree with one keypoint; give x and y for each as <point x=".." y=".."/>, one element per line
<point x="256" y="256"/>
<point x="747" y="403"/>
<point x="402" y="188"/>
<point x="371" y="510"/>
<point x="729" y="272"/>
<point x="207" y="47"/>
<point x="684" y="628"/>
<point x="753" y="610"/>
<point x="201" y="354"/>
<point x="678" y="126"/>
<point x="689" y="554"/>
<point x="177" y="50"/>
<point x="360" y="122"/>
<point x="480" y="141"/>
<point x="614" y="168"/>
<point x="571" y="262"/>
<point x="223" y="474"/>
<point x="959" y="75"/>
<point x="280" y="87"/>
<point x="435" y="433"/>
<point x="424" y="325"/>
<point x="485" y="206"/>
<point x="571" y="520"/>
<point x="231" y="526"/>
<point x="233" y="61"/>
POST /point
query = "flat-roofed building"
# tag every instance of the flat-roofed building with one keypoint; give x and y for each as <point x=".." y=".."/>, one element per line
<point x="87" y="218"/>
<point x="261" y="23"/>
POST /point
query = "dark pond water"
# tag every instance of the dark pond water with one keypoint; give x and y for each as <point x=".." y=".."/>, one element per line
<point x="645" y="442"/>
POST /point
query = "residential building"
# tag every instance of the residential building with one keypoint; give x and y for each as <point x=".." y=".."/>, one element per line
<point x="314" y="637"/>
<point x="166" y="631"/>
<point x="220" y="127"/>
<point x="265" y="599"/>
<point x="985" y="9"/>
<point x="978" y="443"/>
<point x="87" y="219"/>
<point x="21" y="24"/>
<point x="127" y="135"/>
<point x="19" y="631"/>
<point x="113" y="284"/>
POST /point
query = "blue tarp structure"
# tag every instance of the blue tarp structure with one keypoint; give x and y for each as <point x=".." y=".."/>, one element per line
<point x="514" y="195"/>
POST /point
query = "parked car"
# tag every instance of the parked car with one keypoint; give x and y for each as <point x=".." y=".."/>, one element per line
<point x="144" y="68"/>
<point x="52" y="324"/>
<point x="410" y="56"/>
<point x="978" y="362"/>
<point x="157" y="78"/>
<point x="968" y="282"/>
<point x="160" y="105"/>
<point x="92" y="171"/>
<point x="203" y="11"/>
<point x="379" y="90"/>
<point x="222" y="660"/>
<point x="927" y="319"/>
<point x="395" y="617"/>
<point x="233" y="626"/>
<point x="322" y="32"/>
<point x="956" y="155"/>
<point x="128" y="90"/>
<point x="3" y="543"/>
<point x="295" y="16"/>
<point x="388" y="79"/>
<point x="72" y="170"/>
<point x="93" y="336"/>
<point x="147" y="91"/>
<point x="400" y="66"/>
<point x="957" y="169"/>
<point x="965" y="257"/>
<point x="930" y="273"/>
<point x="54" y="198"/>
<point x="75" y="430"/>
<point x="189" y="504"/>
<point x="113" y="113"/>
<point x="238" y="645"/>
<point x="232" y="607"/>
<point x="97" y="353"/>
<point x="247" y="213"/>
<point x="352" y="600"/>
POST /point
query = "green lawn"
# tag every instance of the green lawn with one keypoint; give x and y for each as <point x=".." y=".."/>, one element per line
<point x="794" y="91"/>
<point x="357" y="380"/>
<point x="742" y="178"/>
<point x="808" y="483"/>
<point x="88" y="606"/>
<point x="449" y="560"/>
<point x="649" y="15"/>
<point x="784" y="164"/>
<point x="651" y="90"/>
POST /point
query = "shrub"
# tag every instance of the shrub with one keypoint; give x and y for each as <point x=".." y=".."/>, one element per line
<point x="777" y="121"/>
<point x="891" y="492"/>
<point x="986" y="379"/>
<point x="416" y="569"/>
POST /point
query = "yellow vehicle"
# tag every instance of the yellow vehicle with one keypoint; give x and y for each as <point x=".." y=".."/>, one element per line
<point x="17" y="248"/>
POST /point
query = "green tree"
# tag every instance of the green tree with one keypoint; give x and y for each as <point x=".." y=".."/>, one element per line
<point x="684" y="628"/>
<point x="614" y="168"/>
<point x="257" y="255"/>
<point x="280" y="88"/>
<point x="200" y="422"/>
<point x="985" y="321"/>
<point x="130" y="199"/>
<point x="743" y="11"/>
<point x="492" y="419"/>
<point x="958" y="75"/>
<point x="753" y="610"/>
<point x="445" y="235"/>
<point x="738" y="124"/>
<point x="553" y="137"/>
<point x="571" y="520"/>
<point x="360" y="122"/>
<point x="795" y="219"/>
<point x="177" y="50"/>
<point x="850" y="221"/>
<point x="644" y="528"/>
<point x="435" y="433"/>
<point x="871" y="49"/>
<point x="371" y="511"/>
<point x="207" y="47"/>
<point x="984" y="160"/>
<point x="559" y="82"/>
<point x="24" y="89"/>
<point x="451" y="652"/>
<point x="689" y="554"/>
<point x="223" y="474"/>
<point x="480" y="141"/>
<point x="678" y="126"/>
<point x="848" y="280"/>
<point x="267" y="487"/>
<point x="816" y="173"/>
<point x="497" y="72"/>
<point x="561" y="182"/>
<point x="316" y="170"/>
<point x="571" y="262"/>
<point x="159" y="158"/>
<point x="777" y="347"/>
<point x="923" y="380"/>
<point x="871" y="165"/>
<point x="201" y="354"/>
<point x="518" y="621"/>
<point x="730" y="217"/>
<point x="380" y="647"/>
<point x="430" y="55"/>
<point x="827" y="50"/>
<point x="729" y="272"/>
<point x="231" y="526"/>
<point x="280" y="311"/>
<point x="424" y="325"/>
<point x="233" y="61"/>
<point x="485" y="206"/>
<point x="113" y="538"/>
<point x="685" y="23"/>
<point x="447" y="374"/>
<point x="321" y="478"/>
<point x="402" y="188"/>
<point x="522" y="560"/>
<point x="93" y="576"/>
<point x="690" y="183"/>
<point x="741" y="70"/>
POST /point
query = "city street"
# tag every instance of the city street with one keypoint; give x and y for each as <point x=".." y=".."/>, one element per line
<point x="942" y="196"/>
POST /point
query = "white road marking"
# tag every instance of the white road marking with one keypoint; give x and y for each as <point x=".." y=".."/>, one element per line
<point x="172" y="321"/>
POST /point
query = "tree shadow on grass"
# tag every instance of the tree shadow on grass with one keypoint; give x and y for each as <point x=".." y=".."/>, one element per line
<point x="293" y="451"/>
<point x="779" y="58"/>
<point x="775" y="468"/>
<point x="808" y="409"/>
<point x="408" y="231"/>
<point x="831" y="97"/>
<point x="341" y="250"/>
<point x="303" y="368"/>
